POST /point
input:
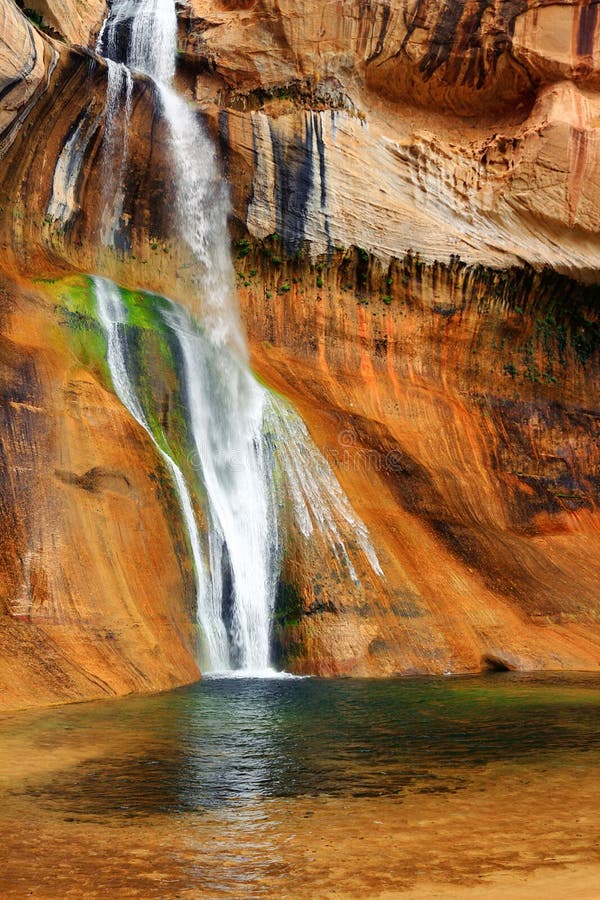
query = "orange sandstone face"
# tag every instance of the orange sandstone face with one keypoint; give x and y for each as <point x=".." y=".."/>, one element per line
<point x="97" y="593"/>
<point x="446" y="420"/>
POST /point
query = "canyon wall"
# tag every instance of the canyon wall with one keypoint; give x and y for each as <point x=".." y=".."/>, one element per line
<point x="416" y="195"/>
<point x="458" y="408"/>
<point x="416" y="212"/>
<point x="98" y="595"/>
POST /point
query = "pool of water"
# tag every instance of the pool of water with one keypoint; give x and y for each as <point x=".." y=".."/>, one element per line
<point x="235" y="765"/>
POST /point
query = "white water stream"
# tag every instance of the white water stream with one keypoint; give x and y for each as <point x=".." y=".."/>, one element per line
<point x="113" y="317"/>
<point x="119" y="95"/>
<point x="241" y="434"/>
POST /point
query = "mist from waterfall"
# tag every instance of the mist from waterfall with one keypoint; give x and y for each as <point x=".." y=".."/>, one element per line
<point x="245" y="440"/>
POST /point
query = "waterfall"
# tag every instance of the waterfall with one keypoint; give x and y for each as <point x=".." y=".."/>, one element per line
<point x="318" y="502"/>
<point x="142" y="34"/>
<point x="203" y="207"/>
<point x="244" y="439"/>
<point x="112" y="314"/>
<point x="225" y="407"/>
<point x="114" y="159"/>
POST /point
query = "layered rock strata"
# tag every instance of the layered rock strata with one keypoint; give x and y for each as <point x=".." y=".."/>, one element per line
<point x="408" y="184"/>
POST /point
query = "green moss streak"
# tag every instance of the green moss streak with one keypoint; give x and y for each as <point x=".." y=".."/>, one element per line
<point x="152" y="359"/>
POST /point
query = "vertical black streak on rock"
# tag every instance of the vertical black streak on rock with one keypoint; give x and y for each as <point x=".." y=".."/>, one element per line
<point x="510" y="10"/>
<point x="281" y="178"/>
<point x="385" y="20"/>
<point x="304" y="184"/>
<point x="323" y="175"/>
<point x="224" y="141"/>
<point x="255" y="164"/>
<point x="411" y="26"/>
<point x="293" y="185"/>
<point x="444" y="35"/>
<point x="318" y="128"/>
<point x="588" y="16"/>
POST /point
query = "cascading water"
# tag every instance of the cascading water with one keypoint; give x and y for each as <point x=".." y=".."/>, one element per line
<point x="142" y="34"/>
<point x="242" y="436"/>
<point x="226" y="411"/>
<point x="120" y="85"/>
<point x="317" y="500"/>
<point x="203" y="206"/>
<point x="144" y="37"/>
<point x="112" y="314"/>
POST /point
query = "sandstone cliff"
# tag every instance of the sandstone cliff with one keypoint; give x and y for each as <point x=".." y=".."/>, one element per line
<point x="97" y="591"/>
<point x="97" y="594"/>
<point x="416" y="205"/>
<point x="427" y="172"/>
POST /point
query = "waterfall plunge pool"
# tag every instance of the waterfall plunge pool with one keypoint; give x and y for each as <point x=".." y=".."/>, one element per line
<point x="307" y="788"/>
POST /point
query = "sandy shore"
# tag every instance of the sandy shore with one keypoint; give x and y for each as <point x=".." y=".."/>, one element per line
<point x="516" y="833"/>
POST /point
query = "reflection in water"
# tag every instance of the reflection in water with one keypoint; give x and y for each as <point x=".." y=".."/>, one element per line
<point x="236" y="740"/>
<point x="225" y="773"/>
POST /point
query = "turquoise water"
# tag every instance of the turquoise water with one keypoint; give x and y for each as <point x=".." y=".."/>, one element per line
<point x="224" y="741"/>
